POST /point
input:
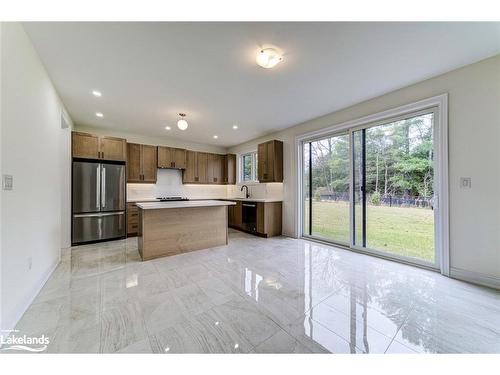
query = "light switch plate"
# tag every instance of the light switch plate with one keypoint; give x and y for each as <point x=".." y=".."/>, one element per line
<point x="7" y="182"/>
<point x="465" y="182"/>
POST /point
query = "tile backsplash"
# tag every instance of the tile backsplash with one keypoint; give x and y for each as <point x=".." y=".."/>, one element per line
<point x="259" y="191"/>
<point x="169" y="183"/>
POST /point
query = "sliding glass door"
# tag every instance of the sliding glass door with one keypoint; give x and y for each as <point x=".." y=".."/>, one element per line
<point x="326" y="171"/>
<point x="372" y="188"/>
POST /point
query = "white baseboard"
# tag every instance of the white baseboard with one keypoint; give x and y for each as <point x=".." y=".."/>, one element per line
<point x="14" y="317"/>
<point x="475" y="278"/>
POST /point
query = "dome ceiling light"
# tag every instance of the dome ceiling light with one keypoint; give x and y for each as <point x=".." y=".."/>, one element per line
<point x="268" y="58"/>
<point x="182" y="123"/>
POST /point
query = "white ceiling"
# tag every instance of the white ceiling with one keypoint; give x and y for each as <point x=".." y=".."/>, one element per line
<point x="148" y="72"/>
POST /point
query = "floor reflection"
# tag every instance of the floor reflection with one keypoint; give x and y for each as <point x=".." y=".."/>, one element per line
<point x="277" y="295"/>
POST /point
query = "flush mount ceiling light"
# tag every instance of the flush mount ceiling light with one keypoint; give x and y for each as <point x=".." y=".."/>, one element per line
<point x="216" y="136"/>
<point x="182" y="124"/>
<point x="235" y="127"/>
<point x="96" y="93"/>
<point x="167" y="128"/>
<point x="99" y="114"/>
<point x="268" y="58"/>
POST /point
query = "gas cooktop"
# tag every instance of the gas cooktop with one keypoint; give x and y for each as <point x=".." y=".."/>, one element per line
<point x="172" y="199"/>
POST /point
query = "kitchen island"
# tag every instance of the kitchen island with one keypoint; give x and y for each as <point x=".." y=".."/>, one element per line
<point x="170" y="228"/>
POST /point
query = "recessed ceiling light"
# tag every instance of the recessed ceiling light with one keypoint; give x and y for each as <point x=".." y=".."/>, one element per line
<point x="167" y="128"/>
<point x="268" y="58"/>
<point x="96" y="93"/>
<point x="235" y="127"/>
<point x="99" y="114"/>
<point x="216" y="136"/>
<point x="182" y="124"/>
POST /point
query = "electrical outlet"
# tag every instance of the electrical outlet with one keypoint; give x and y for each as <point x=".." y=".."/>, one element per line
<point x="7" y="182"/>
<point x="30" y="263"/>
<point x="465" y="182"/>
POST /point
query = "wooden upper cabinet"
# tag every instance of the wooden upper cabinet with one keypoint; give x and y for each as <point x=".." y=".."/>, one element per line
<point x="85" y="145"/>
<point x="113" y="148"/>
<point x="215" y="169"/>
<point x="201" y="168"/>
<point x="270" y="161"/>
<point x="164" y="157"/>
<point x="230" y="169"/>
<point x="190" y="173"/>
<point x="91" y="146"/>
<point x="134" y="173"/>
<point x="149" y="163"/>
<point x="169" y="157"/>
<point x="196" y="168"/>
<point x="206" y="168"/>
<point x="179" y="158"/>
<point x="141" y="163"/>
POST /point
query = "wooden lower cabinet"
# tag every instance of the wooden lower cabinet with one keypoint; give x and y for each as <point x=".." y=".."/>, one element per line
<point x="234" y="215"/>
<point x="269" y="218"/>
<point x="132" y="219"/>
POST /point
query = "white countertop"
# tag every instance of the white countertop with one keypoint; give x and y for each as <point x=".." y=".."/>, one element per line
<point x="183" y="204"/>
<point x="142" y="200"/>
<point x="266" y="200"/>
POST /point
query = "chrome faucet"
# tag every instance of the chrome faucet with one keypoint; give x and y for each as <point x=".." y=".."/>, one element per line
<point x="246" y="195"/>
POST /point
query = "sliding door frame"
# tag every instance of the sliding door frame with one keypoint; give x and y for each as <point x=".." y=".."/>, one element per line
<point x="441" y="216"/>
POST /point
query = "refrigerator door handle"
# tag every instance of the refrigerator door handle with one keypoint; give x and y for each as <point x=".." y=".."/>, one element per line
<point x="103" y="194"/>
<point x="98" y="188"/>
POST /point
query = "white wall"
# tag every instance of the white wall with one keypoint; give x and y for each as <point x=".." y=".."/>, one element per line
<point x="30" y="151"/>
<point x="65" y="160"/>
<point x="1" y="171"/>
<point x="474" y="137"/>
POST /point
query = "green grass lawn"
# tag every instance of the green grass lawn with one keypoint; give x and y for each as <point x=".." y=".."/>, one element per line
<point x="398" y="230"/>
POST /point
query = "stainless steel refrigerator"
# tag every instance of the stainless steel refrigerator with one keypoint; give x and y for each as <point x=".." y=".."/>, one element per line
<point x="98" y="202"/>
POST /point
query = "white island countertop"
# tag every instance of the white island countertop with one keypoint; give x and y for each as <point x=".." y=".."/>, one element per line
<point x="183" y="204"/>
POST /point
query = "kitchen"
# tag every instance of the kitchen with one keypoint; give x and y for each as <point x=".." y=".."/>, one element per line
<point x="249" y="187"/>
<point x="116" y="183"/>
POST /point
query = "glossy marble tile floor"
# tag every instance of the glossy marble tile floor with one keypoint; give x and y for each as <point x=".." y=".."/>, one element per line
<point x="257" y="295"/>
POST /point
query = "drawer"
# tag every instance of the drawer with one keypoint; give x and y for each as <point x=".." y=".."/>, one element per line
<point x="132" y="227"/>
<point x="132" y="208"/>
<point x="133" y="215"/>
